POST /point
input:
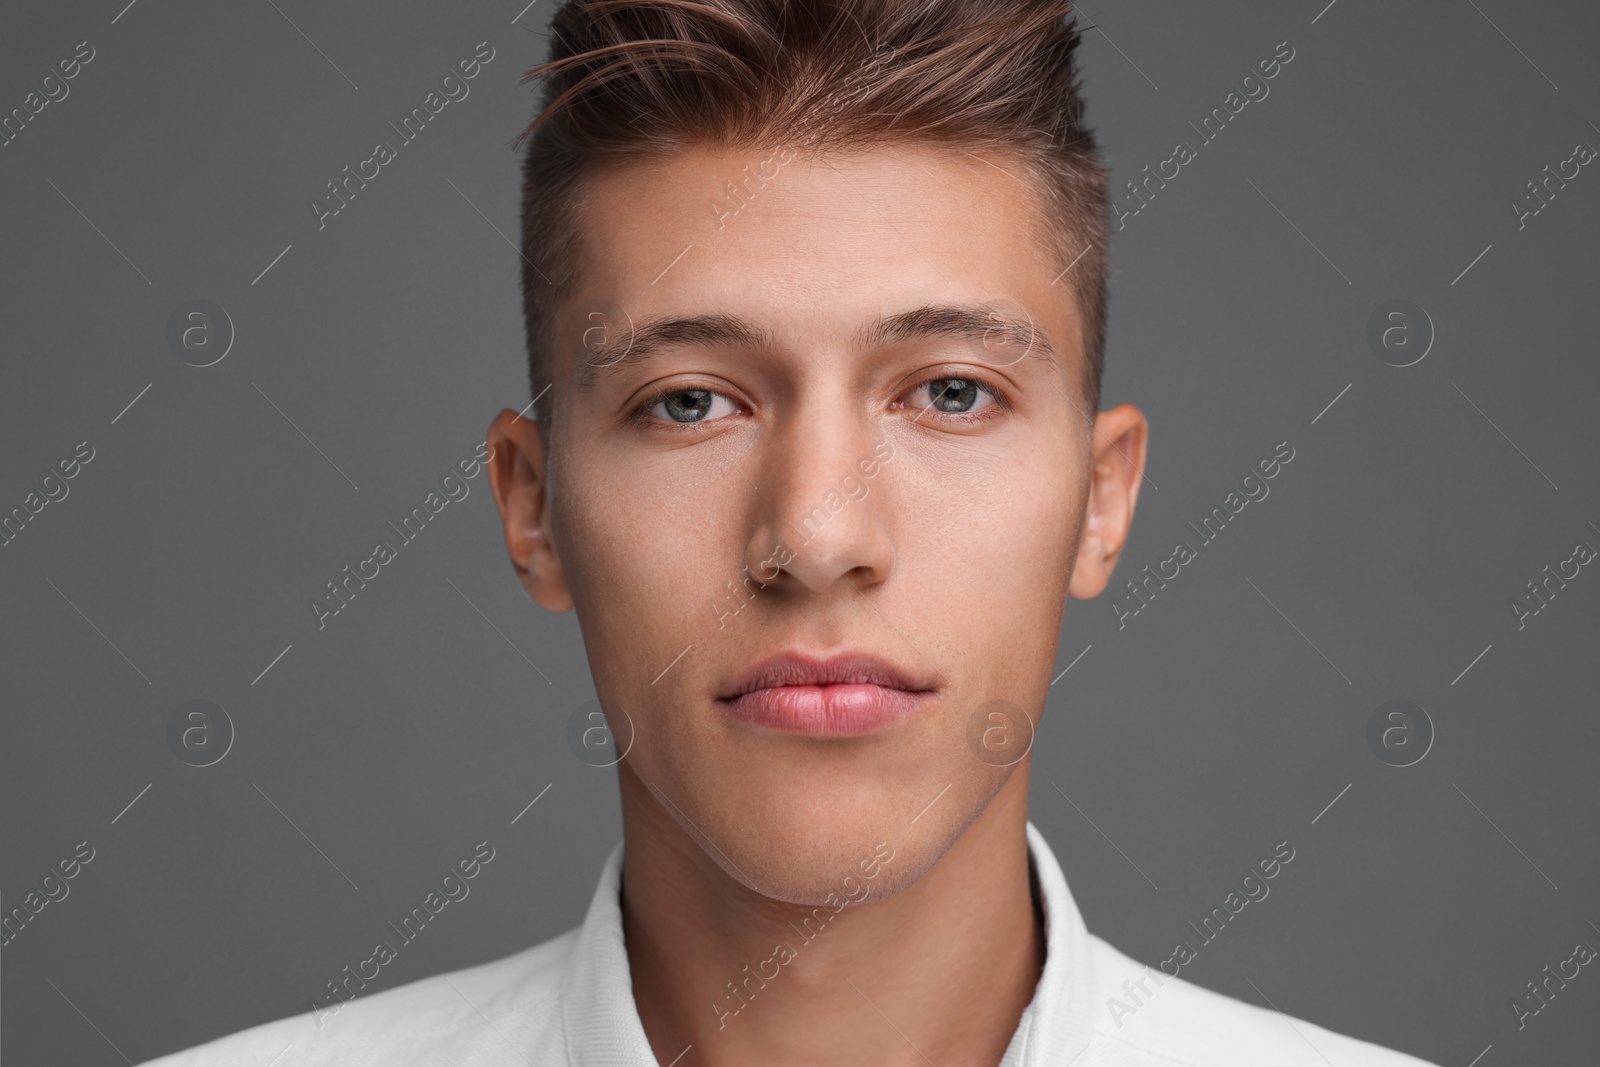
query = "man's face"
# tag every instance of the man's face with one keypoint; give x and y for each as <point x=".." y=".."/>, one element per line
<point x="806" y="462"/>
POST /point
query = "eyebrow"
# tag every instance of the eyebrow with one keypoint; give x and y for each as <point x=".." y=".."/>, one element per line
<point x="981" y="322"/>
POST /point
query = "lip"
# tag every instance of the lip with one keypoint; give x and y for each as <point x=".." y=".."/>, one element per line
<point x="837" y="696"/>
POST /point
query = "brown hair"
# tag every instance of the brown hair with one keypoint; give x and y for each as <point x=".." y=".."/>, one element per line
<point x="627" y="78"/>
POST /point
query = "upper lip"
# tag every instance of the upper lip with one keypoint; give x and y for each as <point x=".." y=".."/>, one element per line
<point x="799" y="668"/>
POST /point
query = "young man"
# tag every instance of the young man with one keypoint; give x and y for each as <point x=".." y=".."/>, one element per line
<point x="815" y="296"/>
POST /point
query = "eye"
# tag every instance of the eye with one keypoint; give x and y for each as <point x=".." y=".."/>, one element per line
<point x="953" y="396"/>
<point x="687" y="406"/>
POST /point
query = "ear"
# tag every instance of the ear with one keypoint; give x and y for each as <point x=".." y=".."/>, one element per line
<point x="517" y="476"/>
<point x="1120" y="439"/>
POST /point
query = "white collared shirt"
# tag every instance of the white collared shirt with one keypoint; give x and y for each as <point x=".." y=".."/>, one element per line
<point x="570" y="1001"/>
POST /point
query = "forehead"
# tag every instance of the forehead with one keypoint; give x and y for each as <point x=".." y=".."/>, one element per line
<point x="814" y="245"/>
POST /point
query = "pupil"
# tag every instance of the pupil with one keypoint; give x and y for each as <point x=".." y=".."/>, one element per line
<point x="954" y="394"/>
<point x="690" y="405"/>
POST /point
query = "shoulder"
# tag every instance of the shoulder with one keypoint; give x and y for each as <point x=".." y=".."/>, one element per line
<point x="462" y="1017"/>
<point x="1168" y="1021"/>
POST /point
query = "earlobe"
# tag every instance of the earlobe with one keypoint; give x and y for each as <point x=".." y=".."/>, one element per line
<point x="518" y="479"/>
<point x="1116" y="472"/>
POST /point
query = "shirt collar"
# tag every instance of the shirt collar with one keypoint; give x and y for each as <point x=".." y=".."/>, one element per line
<point x="601" y="1021"/>
<point x="1057" y="1024"/>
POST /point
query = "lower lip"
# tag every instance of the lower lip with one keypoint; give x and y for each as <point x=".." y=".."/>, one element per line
<point x="827" y="710"/>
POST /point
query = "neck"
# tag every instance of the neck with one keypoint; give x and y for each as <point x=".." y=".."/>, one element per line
<point x="941" y="971"/>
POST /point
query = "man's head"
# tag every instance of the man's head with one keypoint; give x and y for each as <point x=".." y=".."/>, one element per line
<point x="815" y="299"/>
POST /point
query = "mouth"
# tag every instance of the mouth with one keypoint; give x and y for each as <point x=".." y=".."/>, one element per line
<point x="839" y="696"/>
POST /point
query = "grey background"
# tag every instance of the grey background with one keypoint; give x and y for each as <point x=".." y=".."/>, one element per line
<point x="1223" y="719"/>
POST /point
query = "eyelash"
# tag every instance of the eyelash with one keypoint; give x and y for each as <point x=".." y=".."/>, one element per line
<point x="1001" y="404"/>
<point x="641" y="415"/>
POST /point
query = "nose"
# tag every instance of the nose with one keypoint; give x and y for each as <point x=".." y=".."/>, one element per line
<point x="824" y="513"/>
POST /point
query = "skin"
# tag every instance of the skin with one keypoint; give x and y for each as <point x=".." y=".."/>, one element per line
<point x="954" y="560"/>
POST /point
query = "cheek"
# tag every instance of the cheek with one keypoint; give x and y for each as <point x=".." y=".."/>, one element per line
<point x="643" y="548"/>
<point x="998" y="522"/>
<point x="983" y="573"/>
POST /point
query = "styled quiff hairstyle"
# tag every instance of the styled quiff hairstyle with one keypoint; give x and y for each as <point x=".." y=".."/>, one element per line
<point x="630" y="78"/>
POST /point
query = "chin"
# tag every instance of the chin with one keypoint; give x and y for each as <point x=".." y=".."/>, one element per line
<point x="802" y="819"/>
<point x="818" y="839"/>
